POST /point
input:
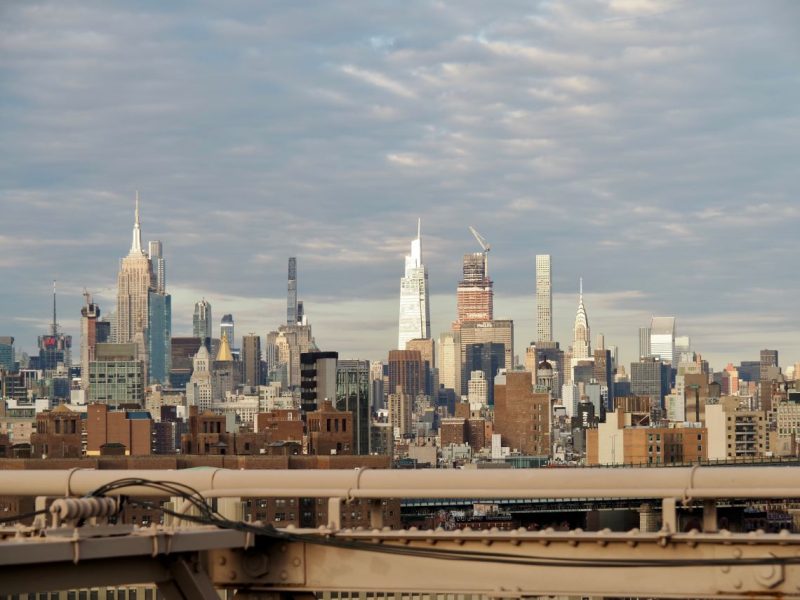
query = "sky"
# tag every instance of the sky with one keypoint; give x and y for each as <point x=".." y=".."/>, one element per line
<point x="649" y="146"/>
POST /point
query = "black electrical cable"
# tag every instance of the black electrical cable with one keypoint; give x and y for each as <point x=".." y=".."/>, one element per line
<point x="27" y="515"/>
<point x="208" y="516"/>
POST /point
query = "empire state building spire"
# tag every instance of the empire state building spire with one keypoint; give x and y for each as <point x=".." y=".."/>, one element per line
<point x="136" y="244"/>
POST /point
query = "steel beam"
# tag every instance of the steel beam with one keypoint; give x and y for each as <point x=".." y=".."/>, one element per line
<point x="300" y="566"/>
<point x="680" y="483"/>
<point x="186" y="563"/>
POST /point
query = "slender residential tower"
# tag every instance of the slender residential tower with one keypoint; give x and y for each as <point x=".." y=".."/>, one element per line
<point x="415" y="310"/>
<point x="291" y="295"/>
<point x="134" y="283"/>
<point x="544" y="299"/>
<point x="581" y="347"/>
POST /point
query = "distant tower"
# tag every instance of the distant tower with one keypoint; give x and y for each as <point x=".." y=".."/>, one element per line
<point x="226" y="329"/>
<point x="55" y="347"/>
<point x="159" y="269"/>
<point x="251" y="359"/>
<point x="90" y="313"/>
<point x="134" y="283"/>
<point x="644" y="342"/>
<point x="662" y="339"/>
<point x="415" y="311"/>
<point x="291" y="296"/>
<point x="544" y="299"/>
<point x="475" y="297"/>
<point x="201" y="321"/>
<point x="581" y="348"/>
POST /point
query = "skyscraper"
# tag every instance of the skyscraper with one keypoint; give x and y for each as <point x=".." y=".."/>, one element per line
<point x="134" y="284"/>
<point x="544" y="299"/>
<point x="644" y="342"/>
<point x="406" y="371"/>
<point x="159" y="337"/>
<point x="291" y="296"/>
<point x="415" y="311"/>
<point x="581" y="334"/>
<point x="226" y="328"/>
<point x="488" y="357"/>
<point x="251" y="358"/>
<point x="662" y="339"/>
<point x="201" y="321"/>
<point x="475" y="297"/>
<point x="353" y="393"/>
<point x="7" y="362"/>
<point x="90" y="313"/>
<point x="155" y="251"/>
<point x="159" y="331"/>
<point x="499" y="331"/>
<point x="449" y="355"/>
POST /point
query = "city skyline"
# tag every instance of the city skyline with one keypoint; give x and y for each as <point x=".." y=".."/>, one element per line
<point x="563" y="311"/>
<point x="636" y="142"/>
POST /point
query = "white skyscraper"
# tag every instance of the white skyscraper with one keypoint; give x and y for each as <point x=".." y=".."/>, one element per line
<point x="662" y="338"/>
<point x="544" y="299"/>
<point x="415" y="311"/>
<point x="581" y="348"/>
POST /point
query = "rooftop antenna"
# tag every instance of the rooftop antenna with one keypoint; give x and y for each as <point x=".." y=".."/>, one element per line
<point x="55" y="323"/>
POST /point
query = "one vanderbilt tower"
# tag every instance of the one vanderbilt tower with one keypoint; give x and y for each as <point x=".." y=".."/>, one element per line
<point x="415" y="311"/>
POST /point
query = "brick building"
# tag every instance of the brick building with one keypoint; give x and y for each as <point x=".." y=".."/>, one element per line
<point x="620" y="441"/>
<point x="330" y="431"/>
<point x="133" y="429"/>
<point x="453" y="431"/>
<point x="281" y="425"/>
<point x="521" y="416"/>
<point x="59" y="434"/>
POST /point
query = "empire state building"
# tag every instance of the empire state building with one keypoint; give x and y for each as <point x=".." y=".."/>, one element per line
<point x="135" y="281"/>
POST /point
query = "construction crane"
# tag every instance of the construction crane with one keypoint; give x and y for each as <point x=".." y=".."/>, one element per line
<point x="485" y="246"/>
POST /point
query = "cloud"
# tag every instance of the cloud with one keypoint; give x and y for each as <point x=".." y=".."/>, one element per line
<point x="379" y="80"/>
<point x="647" y="145"/>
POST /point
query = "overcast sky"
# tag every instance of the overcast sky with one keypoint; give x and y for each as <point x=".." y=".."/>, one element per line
<point x="650" y="146"/>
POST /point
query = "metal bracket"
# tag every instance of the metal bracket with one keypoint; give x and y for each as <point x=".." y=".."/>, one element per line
<point x="277" y="563"/>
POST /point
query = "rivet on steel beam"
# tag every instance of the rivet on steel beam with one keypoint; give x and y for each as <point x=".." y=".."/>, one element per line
<point x="725" y="568"/>
<point x="284" y="575"/>
<point x="296" y="562"/>
<point x="737" y="584"/>
<point x="222" y="561"/>
<point x="737" y="553"/>
<point x="232" y="575"/>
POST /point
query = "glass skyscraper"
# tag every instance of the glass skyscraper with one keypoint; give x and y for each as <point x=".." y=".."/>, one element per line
<point x="159" y="338"/>
<point x="415" y="311"/>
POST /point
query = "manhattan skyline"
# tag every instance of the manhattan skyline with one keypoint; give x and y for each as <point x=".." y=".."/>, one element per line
<point x="640" y="144"/>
